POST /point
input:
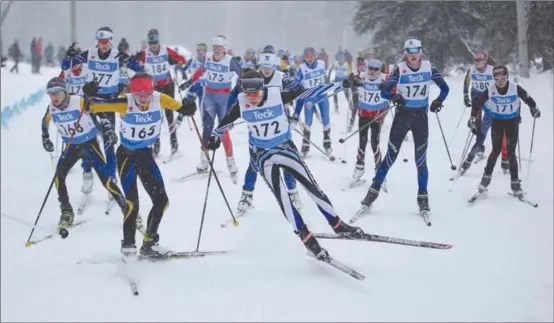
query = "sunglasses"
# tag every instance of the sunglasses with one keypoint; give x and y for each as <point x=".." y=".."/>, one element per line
<point x="103" y="41"/>
<point x="374" y="69"/>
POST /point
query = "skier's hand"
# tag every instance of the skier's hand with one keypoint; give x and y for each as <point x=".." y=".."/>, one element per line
<point x="110" y="138"/>
<point x="293" y="121"/>
<point x="535" y="112"/>
<point x="213" y="142"/>
<point x="474" y="125"/>
<point x="467" y="101"/>
<point x="189" y="107"/>
<point x="91" y="88"/>
<point x="47" y="144"/>
<point x="436" y="105"/>
<point x="123" y="58"/>
<point x="72" y="51"/>
<point x="185" y="85"/>
<point x="398" y="99"/>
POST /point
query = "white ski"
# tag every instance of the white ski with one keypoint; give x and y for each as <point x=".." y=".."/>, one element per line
<point x="234" y="178"/>
<point x="238" y="214"/>
<point x="523" y="199"/>
<point x="172" y="157"/>
<point x="194" y="175"/>
<point x="109" y="206"/>
<point x="361" y="212"/>
<point x="425" y="215"/>
<point x="354" y="184"/>
<point x="85" y="198"/>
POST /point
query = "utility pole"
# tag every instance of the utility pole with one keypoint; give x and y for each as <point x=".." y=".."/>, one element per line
<point x="523" y="55"/>
<point x="73" y="20"/>
<point x="4" y="15"/>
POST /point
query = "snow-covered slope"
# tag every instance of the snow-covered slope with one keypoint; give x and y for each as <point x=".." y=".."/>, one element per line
<point x="500" y="268"/>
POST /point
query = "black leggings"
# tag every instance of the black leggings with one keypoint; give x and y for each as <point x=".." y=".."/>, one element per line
<point x="130" y="164"/>
<point x="499" y="128"/>
<point x="375" y="127"/>
<point x="91" y="151"/>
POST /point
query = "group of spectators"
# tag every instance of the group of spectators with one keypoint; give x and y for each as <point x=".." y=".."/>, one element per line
<point x="38" y="57"/>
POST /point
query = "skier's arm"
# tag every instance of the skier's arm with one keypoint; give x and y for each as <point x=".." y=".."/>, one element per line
<point x="290" y="95"/>
<point x="227" y="121"/>
<point x="118" y="105"/>
<point x="174" y="58"/>
<point x="525" y="97"/>
<point x="289" y="83"/>
<point x="67" y="62"/>
<point x="436" y="76"/>
<point x="390" y="84"/>
<point x="481" y="100"/>
<point x="467" y="82"/>
<point x="46" y="123"/>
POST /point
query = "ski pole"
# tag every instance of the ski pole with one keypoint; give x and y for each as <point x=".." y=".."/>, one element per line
<point x="64" y="151"/>
<point x="383" y="112"/>
<point x="331" y="158"/>
<point x="518" y="153"/>
<point x="235" y="222"/>
<point x="466" y="146"/>
<point x="457" y="126"/>
<point x="349" y="99"/>
<point x="205" y="203"/>
<point x="452" y="166"/>
<point x="530" y="153"/>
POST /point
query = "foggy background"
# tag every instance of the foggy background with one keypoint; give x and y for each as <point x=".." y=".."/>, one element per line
<point x="283" y="24"/>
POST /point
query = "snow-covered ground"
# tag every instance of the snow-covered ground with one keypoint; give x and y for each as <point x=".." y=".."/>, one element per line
<point x="500" y="268"/>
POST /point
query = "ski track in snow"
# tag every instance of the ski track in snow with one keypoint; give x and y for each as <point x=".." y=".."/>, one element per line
<point x="500" y="268"/>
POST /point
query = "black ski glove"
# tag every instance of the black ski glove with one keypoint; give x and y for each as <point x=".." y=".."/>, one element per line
<point x="185" y="85"/>
<point x="467" y="101"/>
<point x="189" y="107"/>
<point x="90" y="88"/>
<point x="47" y="144"/>
<point x="535" y="112"/>
<point x="213" y="142"/>
<point x="474" y="125"/>
<point x="72" y="51"/>
<point x="398" y="99"/>
<point x="110" y="138"/>
<point x="123" y="58"/>
<point x="436" y="105"/>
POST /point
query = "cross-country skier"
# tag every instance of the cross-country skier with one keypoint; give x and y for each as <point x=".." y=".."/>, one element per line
<point x="192" y="67"/>
<point x="156" y="60"/>
<point x="77" y="130"/>
<point x="249" y="60"/>
<point x="502" y="102"/>
<point x="218" y="70"/>
<point x="272" y="78"/>
<point x="342" y="72"/>
<point x="273" y="151"/>
<point x="413" y="79"/>
<point x="372" y="110"/>
<point x="311" y="74"/>
<point x="104" y="65"/>
<point x="480" y="77"/>
<point x="141" y="122"/>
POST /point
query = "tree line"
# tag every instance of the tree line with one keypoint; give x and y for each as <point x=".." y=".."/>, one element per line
<point x="451" y="31"/>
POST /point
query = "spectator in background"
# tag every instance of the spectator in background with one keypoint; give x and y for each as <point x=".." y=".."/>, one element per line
<point x="49" y="55"/>
<point x="123" y="45"/>
<point x="33" y="52"/>
<point x="39" y="54"/>
<point x="15" y="53"/>
<point x="60" y="54"/>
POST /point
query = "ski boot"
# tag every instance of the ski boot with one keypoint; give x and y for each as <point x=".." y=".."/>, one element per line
<point x="485" y="182"/>
<point x="516" y="188"/>
<point x="372" y="194"/>
<point x="359" y="171"/>
<point x="505" y="165"/>
<point x="204" y="163"/>
<point x="88" y="182"/>
<point x="150" y="247"/>
<point x="232" y="166"/>
<point x="174" y="145"/>
<point x="128" y="249"/>
<point x="342" y="228"/>
<point x="67" y="217"/>
<point x="156" y="148"/>
<point x="295" y="199"/>
<point x="305" y="144"/>
<point x="466" y="165"/>
<point x="327" y="142"/>
<point x="312" y="244"/>
<point x="245" y="202"/>
<point x="423" y="201"/>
